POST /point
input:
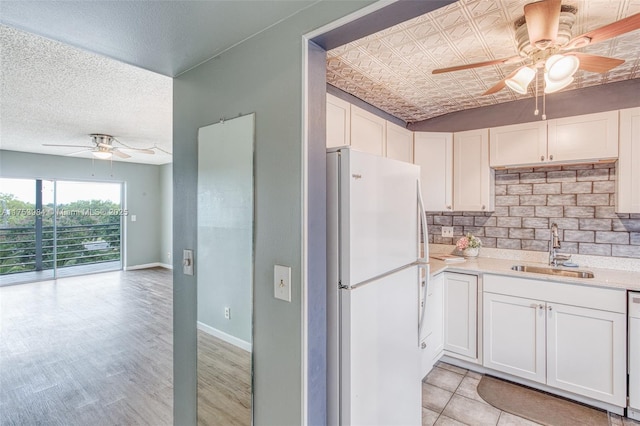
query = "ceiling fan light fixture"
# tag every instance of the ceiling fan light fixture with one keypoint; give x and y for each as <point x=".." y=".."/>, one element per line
<point x="102" y="155"/>
<point x="520" y="82"/>
<point x="554" y="86"/>
<point x="561" y="67"/>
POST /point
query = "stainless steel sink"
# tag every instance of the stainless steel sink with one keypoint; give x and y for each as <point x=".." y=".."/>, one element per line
<point x="553" y="271"/>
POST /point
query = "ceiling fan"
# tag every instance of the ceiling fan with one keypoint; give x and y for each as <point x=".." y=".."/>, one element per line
<point x="545" y="43"/>
<point x="103" y="147"/>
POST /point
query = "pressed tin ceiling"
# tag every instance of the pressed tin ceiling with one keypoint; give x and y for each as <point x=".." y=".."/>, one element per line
<point x="392" y="69"/>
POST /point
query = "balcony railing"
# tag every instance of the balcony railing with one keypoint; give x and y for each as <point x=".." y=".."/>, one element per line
<point x="22" y="251"/>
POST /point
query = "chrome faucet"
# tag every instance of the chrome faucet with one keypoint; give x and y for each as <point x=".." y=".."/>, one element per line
<point x="554" y="244"/>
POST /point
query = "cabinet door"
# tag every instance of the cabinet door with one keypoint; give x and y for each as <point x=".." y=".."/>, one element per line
<point x="586" y="352"/>
<point x="514" y="336"/>
<point x="461" y="309"/>
<point x="472" y="178"/>
<point x="338" y="122"/>
<point x="584" y="137"/>
<point x="634" y="362"/>
<point x="399" y="143"/>
<point x="368" y="131"/>
<point x="435" y="315"/>
<point x="434" y="324"/>
<point x="518" y="144"/>
<point x="628" y="169"/>
<point x="433" y="152"/>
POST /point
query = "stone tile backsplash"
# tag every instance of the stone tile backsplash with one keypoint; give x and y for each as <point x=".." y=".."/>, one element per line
<point x="580" y="199"/>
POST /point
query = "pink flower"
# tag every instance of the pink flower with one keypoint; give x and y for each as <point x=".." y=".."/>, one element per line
<point x="462" y="243"/>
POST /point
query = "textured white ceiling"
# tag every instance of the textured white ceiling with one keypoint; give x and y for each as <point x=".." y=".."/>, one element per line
<point x="392" y="69"/>
<point x="54" y="93"/>
<point x="168" y="37"/>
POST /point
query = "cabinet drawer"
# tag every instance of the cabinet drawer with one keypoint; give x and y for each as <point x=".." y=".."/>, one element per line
<point x="605" y="299"/>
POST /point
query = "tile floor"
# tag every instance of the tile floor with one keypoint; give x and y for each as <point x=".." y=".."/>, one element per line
<point x="449" y="397"/>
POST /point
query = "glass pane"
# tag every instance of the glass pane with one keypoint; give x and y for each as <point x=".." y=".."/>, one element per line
<point x="88" y="227"/>
<point x="24" y="255"/>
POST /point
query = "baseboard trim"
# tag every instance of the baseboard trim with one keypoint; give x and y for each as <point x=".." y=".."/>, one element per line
<point x="224" y="336"/>
<point x="166" y="266"/>
<point x="144" y="266"/>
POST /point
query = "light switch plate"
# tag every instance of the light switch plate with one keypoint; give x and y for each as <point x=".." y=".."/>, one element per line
<point x="282" y="282"/>
<point x="133" y="218"/>
<point x="187" y="262"/>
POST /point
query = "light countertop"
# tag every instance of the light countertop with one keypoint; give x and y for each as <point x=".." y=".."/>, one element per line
<point x="611" y="278"/>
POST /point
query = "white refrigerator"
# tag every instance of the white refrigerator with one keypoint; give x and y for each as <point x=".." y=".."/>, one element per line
<point x="375" y="265"/>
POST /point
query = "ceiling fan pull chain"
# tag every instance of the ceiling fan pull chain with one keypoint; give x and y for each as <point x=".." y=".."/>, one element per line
<point x="536" y="112"/>
<point x="544" y="105"/>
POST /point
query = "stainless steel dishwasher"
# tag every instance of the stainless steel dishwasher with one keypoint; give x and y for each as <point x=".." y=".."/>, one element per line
<point x="633" y="411"/>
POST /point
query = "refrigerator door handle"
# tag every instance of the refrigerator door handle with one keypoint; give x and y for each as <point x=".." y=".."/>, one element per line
<point x="425" y="292"/>
<point x="423" y="219"/>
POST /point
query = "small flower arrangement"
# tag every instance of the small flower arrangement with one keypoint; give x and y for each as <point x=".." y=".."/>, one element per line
<point x="468" y="241"/>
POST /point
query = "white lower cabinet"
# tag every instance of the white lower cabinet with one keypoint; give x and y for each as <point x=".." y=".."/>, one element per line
<point x="566" y="336"/>
<point x="514" y="336"/>
<point x="433" y="342"/>
<point x="586" y="352"/>
<point x="460" y="315"/>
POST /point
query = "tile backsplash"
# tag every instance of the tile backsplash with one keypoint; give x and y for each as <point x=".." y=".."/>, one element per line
<point x="579" y="198"/>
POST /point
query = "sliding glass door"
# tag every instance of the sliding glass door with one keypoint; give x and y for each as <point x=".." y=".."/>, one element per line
<point x="58" y="228"/>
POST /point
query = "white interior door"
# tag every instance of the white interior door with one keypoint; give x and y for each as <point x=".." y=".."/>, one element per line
<point x="380" y="357"/>
<point x="379" y="215"/>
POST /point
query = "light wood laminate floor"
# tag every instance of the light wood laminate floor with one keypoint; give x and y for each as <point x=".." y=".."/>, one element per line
<point x="224" y="383"/>
<point x="89" y="350"/>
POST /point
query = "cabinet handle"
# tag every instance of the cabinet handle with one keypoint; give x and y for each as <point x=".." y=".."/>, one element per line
<point x="448" y="207"/>
<point x="549" y="308"/>
<point x="483" y="207"/>
<point x="541" y="306"/>
<point x="423" y="345"/>
<point x="542" y="158"/>
<point x="551" y="157"/>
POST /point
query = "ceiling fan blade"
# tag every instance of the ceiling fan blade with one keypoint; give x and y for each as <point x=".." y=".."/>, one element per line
<point x="140" y="150"/>
<point x="606" y="32"/>
<point x="80" y="152"/>
<point x="594" y="63"/>
<point x="510" y="60"/>
<point x="501" y="84"/>
<point x="543" y="19"/>
<point x="120" y="154"/>
<point x="69" y="146"/>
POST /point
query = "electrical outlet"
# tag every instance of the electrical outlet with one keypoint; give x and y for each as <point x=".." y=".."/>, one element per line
<point x="227" y="312"/>
<point x="447" y="231"/>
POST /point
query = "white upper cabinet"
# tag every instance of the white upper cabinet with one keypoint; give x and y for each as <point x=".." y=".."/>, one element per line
<point x="473" y="179"/>
<point x="628" y="169"/>
<point x="399" y="143"/>
<point x="583" y="138"/>
<point x="338" y="122"/>
<point x="518" y="144"/>
<point x="433" y="152"/>
<point x="368" y="131"/>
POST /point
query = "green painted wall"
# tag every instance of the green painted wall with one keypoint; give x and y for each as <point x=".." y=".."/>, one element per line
<point x="142" y="188"/>
<point x="166" y="214"/>
<point x="262" y="75"/>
